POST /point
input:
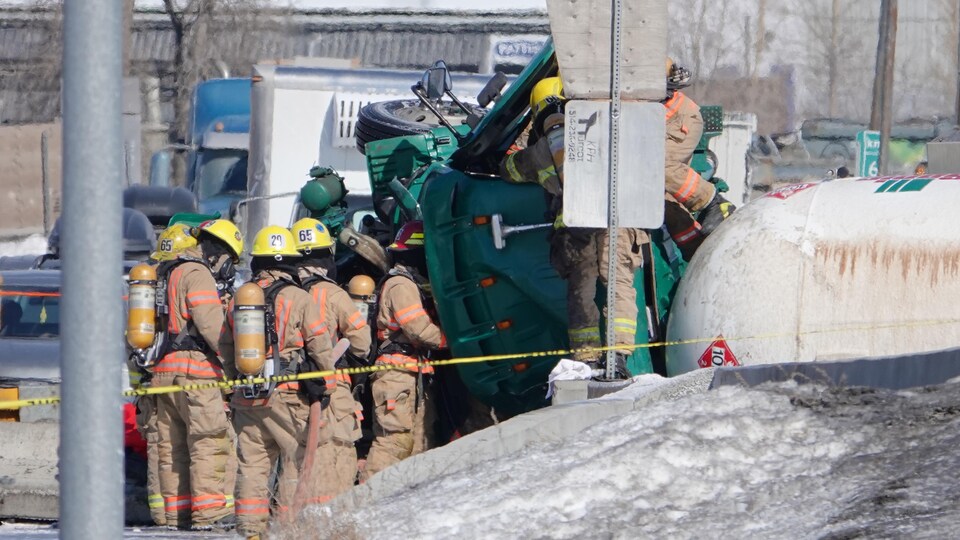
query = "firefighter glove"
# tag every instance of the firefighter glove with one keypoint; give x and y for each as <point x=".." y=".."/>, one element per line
<point x="313" y="389"/>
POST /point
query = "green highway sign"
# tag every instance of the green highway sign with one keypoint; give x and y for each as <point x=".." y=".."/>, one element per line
<point x="868" y="153"/>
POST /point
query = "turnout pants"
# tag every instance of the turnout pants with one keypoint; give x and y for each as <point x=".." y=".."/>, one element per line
<point x="580" y="256"/>
<point x="399" y="424"/>
<point x="265" y="433"/>
<point x="147" y="424"/>
<point x="193" y="447"/>
<point x="336" y="459"/>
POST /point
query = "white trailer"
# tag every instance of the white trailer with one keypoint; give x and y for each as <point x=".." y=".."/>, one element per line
<point x="303" y="116"/>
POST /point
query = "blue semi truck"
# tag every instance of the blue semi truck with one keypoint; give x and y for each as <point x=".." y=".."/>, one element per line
<point x="216" y="148"/>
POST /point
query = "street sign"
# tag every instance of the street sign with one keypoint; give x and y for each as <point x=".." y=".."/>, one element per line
<point x="583" y="34"/>
<point x="868" y="153"/>
<point x="640" y="164"/>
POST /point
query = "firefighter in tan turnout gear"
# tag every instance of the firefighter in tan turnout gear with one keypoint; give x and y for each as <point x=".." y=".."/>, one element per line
<point x="172" y="240"/>
<point x="271" y="420"/>
<point x="317" y="273"/>
<point x="579" y="255"/>
<point x="686" y="191"/>
<point x="405" y="333"/>
<point x="193" y="432"/>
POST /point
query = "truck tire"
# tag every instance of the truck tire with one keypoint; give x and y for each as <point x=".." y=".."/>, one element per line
<point x="389" y="119"/>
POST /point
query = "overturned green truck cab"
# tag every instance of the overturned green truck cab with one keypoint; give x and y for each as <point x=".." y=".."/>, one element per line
<point x="503" y="301"/>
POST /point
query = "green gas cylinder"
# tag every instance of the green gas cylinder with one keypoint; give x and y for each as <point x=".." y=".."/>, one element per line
<point x="324" y="190"/>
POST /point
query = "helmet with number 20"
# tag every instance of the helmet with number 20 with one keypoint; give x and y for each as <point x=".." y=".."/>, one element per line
<point x="274" y="241"/>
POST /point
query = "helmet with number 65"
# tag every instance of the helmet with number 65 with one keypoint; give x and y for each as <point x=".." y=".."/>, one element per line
<point x="311" y="234"/>
<point x="172" y="241"/>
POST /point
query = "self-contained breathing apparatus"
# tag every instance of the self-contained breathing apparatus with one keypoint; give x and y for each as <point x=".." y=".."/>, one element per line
<point x="150" y="342"/>
<point x="389" y="346"/>
<point x="348" y="360"/>
<point x="245" y="332"/>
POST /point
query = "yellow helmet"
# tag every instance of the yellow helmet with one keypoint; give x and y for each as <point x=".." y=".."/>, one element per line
<point x="311" y="234"/>
<point x="361" y="286"/>
<point x="274" y="241"/>
<point x="545" y="92"/>
<point x="227" y="232"/>
<point x="172" y="241"/>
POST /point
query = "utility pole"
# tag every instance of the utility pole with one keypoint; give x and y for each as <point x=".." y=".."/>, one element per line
<point x="833" y="59"/>
<point x="956" y="25"/>
<point x="881" y="116"/>
<point x="889" y="59"/>
<point x="127" y="62"/>
<point x="877" y="102"/>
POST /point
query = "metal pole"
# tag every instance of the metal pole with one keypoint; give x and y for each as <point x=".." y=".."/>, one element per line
<point x="956" y="26"/>
<point x="614" y="157"/>
<point x="886" y="118"/>
<point x="877" y="104"/>
<point x="92" y="352"/>
<point x="45" y="181"/>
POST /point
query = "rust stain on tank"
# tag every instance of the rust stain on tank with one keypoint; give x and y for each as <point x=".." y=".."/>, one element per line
<point x="935" y="262"/>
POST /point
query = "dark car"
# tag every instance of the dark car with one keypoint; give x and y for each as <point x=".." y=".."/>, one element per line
<point x="30" y="326"/>
<point x="30" y="337"/>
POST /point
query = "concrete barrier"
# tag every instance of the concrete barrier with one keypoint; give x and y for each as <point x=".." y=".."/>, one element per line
<point x="28" y="470"/>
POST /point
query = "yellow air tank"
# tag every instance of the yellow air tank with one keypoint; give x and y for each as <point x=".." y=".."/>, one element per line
<point x="249" y="329"/>
<point x="141" y="306"/>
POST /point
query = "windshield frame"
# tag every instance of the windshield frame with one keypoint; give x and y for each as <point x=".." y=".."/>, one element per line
<point x="501" y="125"/>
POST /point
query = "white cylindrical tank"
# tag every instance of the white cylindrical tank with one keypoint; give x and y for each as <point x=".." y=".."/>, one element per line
<point x="825" y="271"/>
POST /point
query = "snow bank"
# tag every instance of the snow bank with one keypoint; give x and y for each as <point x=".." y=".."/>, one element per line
<point x="31" y="245"/>
<point x="779" y="461"/>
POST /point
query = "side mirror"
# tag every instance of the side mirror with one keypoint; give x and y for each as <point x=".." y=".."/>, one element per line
<point x="436" y="80"/>
<point x="491" y="90"/>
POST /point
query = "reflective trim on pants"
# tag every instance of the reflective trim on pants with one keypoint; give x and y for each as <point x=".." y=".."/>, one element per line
<point x="155" y="500"/>
<point x="253" y="506"/>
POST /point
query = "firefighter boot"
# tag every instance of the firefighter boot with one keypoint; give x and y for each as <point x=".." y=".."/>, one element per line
<point x="717" y="210"/>
<point x="224" y="524"/>
<point x="599" y="367"/>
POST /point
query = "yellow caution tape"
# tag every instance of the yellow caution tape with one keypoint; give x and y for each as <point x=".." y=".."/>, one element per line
<point x="154" y="390"/>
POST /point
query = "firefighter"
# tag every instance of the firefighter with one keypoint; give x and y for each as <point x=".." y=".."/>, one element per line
<point x="271" y="421"/>
<point x="686" y="191"/>
<point x="406" y="333"/>
<point x="317" y="273"/>
<point x="362" y="290"/>
<point x="172" y="241"/>
<point x="579" y="255"/>
<point x="193" y="440"/>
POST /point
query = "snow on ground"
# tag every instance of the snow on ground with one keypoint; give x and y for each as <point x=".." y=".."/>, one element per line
<point x="778" y="462"/>
<point x="31" y="245"/>
<point x="35" y="531"/>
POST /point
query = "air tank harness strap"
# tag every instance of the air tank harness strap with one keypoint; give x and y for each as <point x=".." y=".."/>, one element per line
<point x="185" y="341"/>
<point x="273" y="339"/>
